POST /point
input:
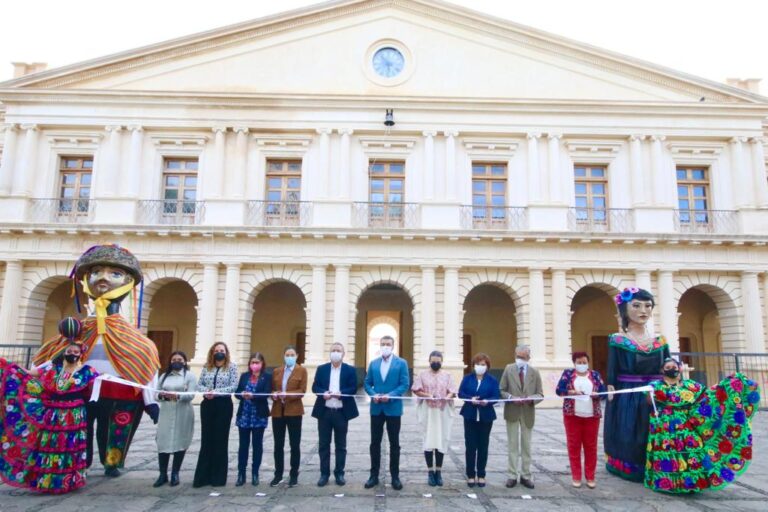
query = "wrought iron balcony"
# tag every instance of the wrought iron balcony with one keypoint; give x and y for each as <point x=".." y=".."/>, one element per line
<point x="61" y="211"/>
<point x="505" y="218"/>
<point x="171" y="212"/>
<point x="386" y="215"/>
<point x="278" y="213"/>
<point x="601" y="220"/>
<point x="707" y="221"/>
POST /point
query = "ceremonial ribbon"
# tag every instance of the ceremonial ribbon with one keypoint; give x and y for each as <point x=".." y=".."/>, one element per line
<point x="102" y="302"/>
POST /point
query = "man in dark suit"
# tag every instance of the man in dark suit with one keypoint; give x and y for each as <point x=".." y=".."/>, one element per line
<point x="334" y="411"/>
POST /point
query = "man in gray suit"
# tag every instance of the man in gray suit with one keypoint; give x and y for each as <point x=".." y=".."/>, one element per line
<point x="520" y="380"/>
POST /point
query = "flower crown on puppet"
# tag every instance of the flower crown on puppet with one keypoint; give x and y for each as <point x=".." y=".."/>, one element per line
<point x="626" y="295"/>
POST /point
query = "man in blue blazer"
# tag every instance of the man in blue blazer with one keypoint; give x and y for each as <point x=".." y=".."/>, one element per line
<point x="333" y="411"/>
<point x="387" y="377"/>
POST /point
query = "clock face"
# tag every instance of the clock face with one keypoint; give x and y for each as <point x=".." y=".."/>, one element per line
<point x="388" y="62"/>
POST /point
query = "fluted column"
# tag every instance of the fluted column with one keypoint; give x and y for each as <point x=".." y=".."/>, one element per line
<point x="560" y="316"/>
<point x="428" y="341"/>
<point x="22" y="175"/>
<point x="759" y="172"/>
<point x="555" y="176"/>
<point x="534" y="175"/>
<point x="341" y="305"/>
<point x="345" y="173"/>
<point x="231" y="304"/>
<point x="451" y="333"/>
<point x="753" y="316"/>
<point x="130" y="180"/>
<point x="9" y="158"/>
<point x="235" y="182"/>
<point x="108" y="174"/>
<point x="214" y="180"/>
<point x="743" y="195"/>
<point x="317" y="316"/>
<point x="324" y="162"/>
<point x="9" y="303"/>
<point x="451" y="181"/>
<point x="429" y="164"/>
<point x="636" y="170"/>
<point x="668" y="309"/>
<point x="206" y="335"/>
<point x="643" y="280"/>
<point x="661" y="189"/>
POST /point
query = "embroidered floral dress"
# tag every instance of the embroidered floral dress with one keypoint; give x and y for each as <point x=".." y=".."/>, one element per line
<point x="435" y="416"/>
<point x="701" y="438"/>
<point x="43" y="434"/>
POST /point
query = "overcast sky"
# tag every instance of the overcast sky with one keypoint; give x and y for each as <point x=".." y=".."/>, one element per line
<point x="714" y="39"/>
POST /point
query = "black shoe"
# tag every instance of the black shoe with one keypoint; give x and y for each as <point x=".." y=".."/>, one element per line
<point x="340" y="480"/>
<point x="112" y="472"/>
<point x="471" y="482"/>
<point x="431" y="481"/>
<point x="481" y="484"/>
<point x="276" y="481"/>
<point x="240" y="479"/>
<point x="396" y="483"/>
<point x="323" y="481"/>
<point x="161" y="480"/>
<point x="293" y="481"/>
<point x="371" y="482"/>
<point x="174" y="478"/>
<point x="526" y="483"/>
<point x="255" y="479"/>
<point x="511" y="482"/>
<point x="439" y="478"/>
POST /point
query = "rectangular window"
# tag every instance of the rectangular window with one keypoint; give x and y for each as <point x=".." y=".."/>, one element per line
<point x="591" y="193"/>
<point x="75" y="184"/>
<point x="179" y="187"/>
<point x="283" y="191"/>
<point x="386" y="192"/>
<point x="489" y="194"/>
<point x="693" y="194"/>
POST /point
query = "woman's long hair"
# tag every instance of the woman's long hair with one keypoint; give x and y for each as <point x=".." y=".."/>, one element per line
<point x="209" y="363"/>
<point x="639" y="295"/>
<point x="168" y="369"/>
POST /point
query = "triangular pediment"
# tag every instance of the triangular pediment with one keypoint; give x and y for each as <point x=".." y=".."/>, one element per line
<point x="449" y="52"/>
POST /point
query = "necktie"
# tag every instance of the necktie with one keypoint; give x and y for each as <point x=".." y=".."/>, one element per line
<point x="522" y="378"/>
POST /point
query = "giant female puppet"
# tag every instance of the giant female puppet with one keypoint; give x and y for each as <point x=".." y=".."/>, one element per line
<point x="106" y="274"/>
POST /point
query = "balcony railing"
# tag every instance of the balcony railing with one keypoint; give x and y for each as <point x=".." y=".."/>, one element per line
<point x="61" y="211"/>
<point x="171" y="212"/>
<point x="601" y="220"/>
<point x="506" y="218"/>
<point x="386" y="215"/>
<point x="278" y="213"/>
<point x="707" y="221"/>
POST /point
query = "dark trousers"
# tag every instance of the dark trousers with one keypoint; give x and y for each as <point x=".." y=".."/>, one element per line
<point x="377" y="434"/>
<point x="212" y="463"/>
<point x="477" y="435"/>
<point x="332" y="423"/>
<point x="246" y="436"/>
<point x="279" y="426"/>
<point x="116" y="422"/>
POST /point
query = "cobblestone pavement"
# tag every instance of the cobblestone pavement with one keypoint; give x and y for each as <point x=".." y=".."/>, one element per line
<point x="133" y="490"/>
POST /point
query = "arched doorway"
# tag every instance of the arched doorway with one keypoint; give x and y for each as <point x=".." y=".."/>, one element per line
<point x="490" y="326"/>
<point x="383" y="309"/>
<point x="172" y="323"/>
<point x="279" y="319"/>
<point x="60" y="304"/>
<point x="699" y="327"/>
<point x="593" y="318"/>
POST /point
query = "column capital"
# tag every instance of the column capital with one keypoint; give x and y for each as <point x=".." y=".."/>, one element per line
<point x="240" y="129"/>
<point x="658" y="138"/>
<point x="636" y="137"/>
<point x="324" y="131"/>
<point x="452" y="268"/>
<point x="342" y="266"/>
<point x="428" y="267"/>
<point x="757" y="140"/>
<point x="113" y="128"/>
<point x="666" y="271"/>
<point x="31" y="127"/>
<point x="208" y="265"/>
<point x="559" y="269"/>
<point x="554" y="136"/>
<point x="9" y="127"/>
<point x="750" y="273"/>
<point x="319" y="266"/>
<point x="233" y="264"/>
<point x="738" y="140"/>
<point x="533" y="135"/>
<point x="135" y="128"/>
<point x="429" y="133"/>
<point x="345" y="131"/>
<point x="451" y="133"/>
<point x="219" y="129"/>
<point x="13" y="263"/>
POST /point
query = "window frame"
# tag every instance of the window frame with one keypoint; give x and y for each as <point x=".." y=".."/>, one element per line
<point x="587" y="214"/>
<point x="188" y="206"/>
<point x="692" y="214"/>
<point x="488" y="214"/>
<point x="66" y="205"/>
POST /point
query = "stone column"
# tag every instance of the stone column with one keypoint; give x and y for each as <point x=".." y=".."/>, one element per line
<point x="316" y="342"/>
<point x="235" y="184"/>
<point x="555" y="176"/>
<point x="742" y="192"/>
<point x="536" y="326"/>
<point x="451" y="333"/>
<point x="643" y="280"/>
<point x="130" y="180"/>
<point x="22" y="175"/>
<point x="214" y="179"/>
<point x="636" y="170"/>
<point x="231" y="305"/>
<point x="206" y="335"/>
<point x="451" y="180"/>
<point x="341" y="306"/>
<point x="759" y="172"/>
<point x="753" y="316"/>
<point x="108" y="174"/>
<point x="668" y="309"/>
<point x="428" y="341"/>
<point x="324" y="162"/>
<point x="561" y="333"/>
<point x="344" y="176"/>
<point x="429" y="165"/>
<point x="660" y="187"/>
<point x="9" y="303"/>
<point x="534" y="176"/>
<point x="9" y="157"/>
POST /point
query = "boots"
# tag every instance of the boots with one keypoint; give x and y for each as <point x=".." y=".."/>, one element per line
<point x="240" y="478"/>
<point x="254" y="479"/>
<point x="163" y="459"/>
<point x="431" y="479"/>
<point x="178" y="458"/>
<point x="438" y="478"/>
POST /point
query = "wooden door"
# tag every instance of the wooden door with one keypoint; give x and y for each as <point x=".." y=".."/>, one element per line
<point x="685" y="346"/>
<point x="600" y="355"/>
<point x="164" y="342"/>
<point x="467" y="353"/>
<point x="301" y="344"/>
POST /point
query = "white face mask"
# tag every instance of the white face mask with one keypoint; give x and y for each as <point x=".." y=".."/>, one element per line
<point x="336" y="356"/>
<point x="480" y="369"/>
<point x="582" y="368"/>
<point x="521" y="363"/>
<point x="386" y="351"/>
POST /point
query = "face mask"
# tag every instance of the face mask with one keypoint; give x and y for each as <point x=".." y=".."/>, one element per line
<point x="71" y="358"/>
<point x="581" y="368"/>
<point x="336" y="357"/>
<point x="521" y="363"/>
<point x="177" y="366"/>
<point x="386" y="351"/>
<point x="290" y="361"/>
<point x="255" y="367"/>
<point x="672" y="373"/>
<point x="480" y="369"/>
<point x="435" y="365"/>
<point x="219" y="356"/>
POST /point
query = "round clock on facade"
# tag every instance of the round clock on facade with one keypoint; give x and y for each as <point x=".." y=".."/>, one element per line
<point x="388" y="62"/>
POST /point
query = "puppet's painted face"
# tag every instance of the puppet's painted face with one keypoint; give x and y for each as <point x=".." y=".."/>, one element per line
<point x="103" y="279"/>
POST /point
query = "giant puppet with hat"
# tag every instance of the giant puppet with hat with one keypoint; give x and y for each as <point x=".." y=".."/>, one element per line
<point x="113" y="346"/>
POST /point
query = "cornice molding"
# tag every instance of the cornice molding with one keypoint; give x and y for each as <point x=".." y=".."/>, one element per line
<point x="593" y="151"/>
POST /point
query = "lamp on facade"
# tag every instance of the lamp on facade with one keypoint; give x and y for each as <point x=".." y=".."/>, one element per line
<point x="389" y="118"/>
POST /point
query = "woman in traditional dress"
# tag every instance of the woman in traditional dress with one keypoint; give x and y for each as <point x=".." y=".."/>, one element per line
<point x="43" y="435"/>
<point x="177" y="419"/>
<point x="436" y="414"/>
<point x="634" y="359"/>
<point x="701" y="438"/>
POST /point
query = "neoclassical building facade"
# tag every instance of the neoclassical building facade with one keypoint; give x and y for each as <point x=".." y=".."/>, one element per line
<point x="409" y="167"/>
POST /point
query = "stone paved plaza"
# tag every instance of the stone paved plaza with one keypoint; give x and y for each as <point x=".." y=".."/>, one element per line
<point x="133" y="490"/>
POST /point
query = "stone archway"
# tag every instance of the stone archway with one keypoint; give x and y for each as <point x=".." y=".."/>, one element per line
<point x="491" y="324"/>
<point x="278" y="318"/>
<point x="172" y="318"/>
<point x="383" y="304"/>
<point x="593" y="318"/>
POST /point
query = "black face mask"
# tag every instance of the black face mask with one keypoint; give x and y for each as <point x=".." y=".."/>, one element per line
<point x="177" y="366"/>
<point x="435" y="366"/>
<point x="672" y="373"/>
<point x="71" y="358"/>
<point x="219" y="356"/>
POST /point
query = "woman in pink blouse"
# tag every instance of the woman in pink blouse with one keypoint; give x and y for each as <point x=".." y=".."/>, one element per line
<point x="435" y="413"/>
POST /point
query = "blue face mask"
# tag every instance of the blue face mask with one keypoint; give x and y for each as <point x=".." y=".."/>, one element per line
<point x="290" y="361"/>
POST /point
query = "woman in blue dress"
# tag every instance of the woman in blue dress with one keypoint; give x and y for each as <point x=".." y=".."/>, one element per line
<point x="252" y="415"/>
